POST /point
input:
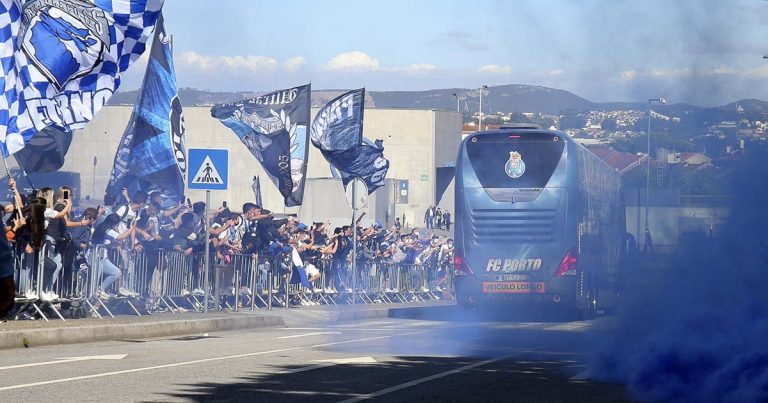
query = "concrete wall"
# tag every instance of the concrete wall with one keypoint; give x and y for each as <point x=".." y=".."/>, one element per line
<point x="415" y="142"/>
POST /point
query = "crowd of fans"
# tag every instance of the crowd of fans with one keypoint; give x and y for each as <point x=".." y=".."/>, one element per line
<point x="314" y="255"/>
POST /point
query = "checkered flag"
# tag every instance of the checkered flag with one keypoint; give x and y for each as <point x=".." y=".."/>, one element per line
<point x="62" y="59"/>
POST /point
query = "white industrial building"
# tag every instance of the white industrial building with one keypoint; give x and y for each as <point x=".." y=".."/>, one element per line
<point x="421" y="146"/>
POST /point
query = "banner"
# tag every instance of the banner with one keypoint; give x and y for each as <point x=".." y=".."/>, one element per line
<point x="338" y="132"/>
<point x="274" y="128"/>
<point x="151" y="155"/>
<point x="45" y="151"/>
<point x="62" y="60"/>
<point x="338" y="126"/>
<point x="365" y="161"/>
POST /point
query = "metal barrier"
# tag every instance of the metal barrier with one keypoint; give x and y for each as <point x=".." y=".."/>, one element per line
<point x="106" y="279"/>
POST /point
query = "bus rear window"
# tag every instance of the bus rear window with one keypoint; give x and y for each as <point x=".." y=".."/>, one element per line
<point x="509" y="161"/>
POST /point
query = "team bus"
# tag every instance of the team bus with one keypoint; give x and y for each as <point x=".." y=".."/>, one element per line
<point x="539" y="219"/>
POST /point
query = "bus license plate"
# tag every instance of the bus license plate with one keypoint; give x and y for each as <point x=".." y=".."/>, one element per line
<point x="513" y="287"/>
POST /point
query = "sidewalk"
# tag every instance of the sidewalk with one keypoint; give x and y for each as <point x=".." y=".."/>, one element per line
<point x="30" y="333"/>
<point x="127" y="327"/>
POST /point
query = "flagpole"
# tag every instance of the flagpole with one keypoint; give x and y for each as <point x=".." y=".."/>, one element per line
<point x="23" y="171"/>
<point x="206" y="261"/>
<point x="354" y="246"/>
<point x="8" y="171"/>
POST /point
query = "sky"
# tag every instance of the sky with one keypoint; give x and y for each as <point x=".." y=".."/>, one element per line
<point x="704" y="52"/>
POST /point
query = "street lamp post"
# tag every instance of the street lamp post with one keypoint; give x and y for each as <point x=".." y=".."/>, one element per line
<point x="458" y="108"/>
<point x="648" y="162"/>
<point x="481" y="107"/>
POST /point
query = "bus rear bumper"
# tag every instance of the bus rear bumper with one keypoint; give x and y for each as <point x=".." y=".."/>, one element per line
<point x="558" y="291"/>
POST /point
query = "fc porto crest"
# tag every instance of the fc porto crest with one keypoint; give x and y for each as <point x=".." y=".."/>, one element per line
<point x="63" y="39"/>
<point x="515" y="166"/>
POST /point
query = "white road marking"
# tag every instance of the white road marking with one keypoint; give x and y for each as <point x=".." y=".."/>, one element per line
<point x="305" y="369"/>
<point x="581" y="376"/>
<point x="380" y="322"/>
<point x="295" y="336"/>
<point x="179" y="364"/>
<point x="330" y="363"/>
<point x="515" y="325"/>
<point x="423" y="380"/>
<point x="567" y="326"/>
<point x="418" y="324"/>
<point x="67" y="360"/>
<point x="351" y="360"/>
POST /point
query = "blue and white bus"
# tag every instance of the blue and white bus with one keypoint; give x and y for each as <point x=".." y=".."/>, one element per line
<point x="539" y="219"/>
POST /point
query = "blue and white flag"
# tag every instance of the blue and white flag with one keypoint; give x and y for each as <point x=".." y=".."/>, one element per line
<point x="338" y="132"/>
<point x="62" y="59"/>
<point x="338" y="126"/>
<point x="274" y="128"/>
<point x="151" y="155"/>
<point x="365" y="161"/>
<point x="45" y="152"/>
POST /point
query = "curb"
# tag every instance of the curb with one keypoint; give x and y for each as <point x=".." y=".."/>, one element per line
<point x="403" y="312"/>
<point x="86" y="334"/>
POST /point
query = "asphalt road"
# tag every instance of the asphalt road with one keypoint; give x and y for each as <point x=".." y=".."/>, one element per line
<point x="442" y="354"/>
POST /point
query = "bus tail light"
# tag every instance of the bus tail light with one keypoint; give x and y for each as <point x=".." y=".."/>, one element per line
<point x="568" y="264"/>
<point x="460" y="265"/>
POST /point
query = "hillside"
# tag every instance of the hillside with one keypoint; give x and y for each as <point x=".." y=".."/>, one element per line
<point x="503" y="98"/>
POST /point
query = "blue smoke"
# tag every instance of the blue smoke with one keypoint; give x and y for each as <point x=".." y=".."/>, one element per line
<point x="696" y="329"/>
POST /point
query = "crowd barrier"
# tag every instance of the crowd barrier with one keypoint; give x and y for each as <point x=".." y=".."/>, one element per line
<point x="103" y="282"/>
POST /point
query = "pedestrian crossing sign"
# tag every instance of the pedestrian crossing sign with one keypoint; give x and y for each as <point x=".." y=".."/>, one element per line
<point x="208" y="169"/>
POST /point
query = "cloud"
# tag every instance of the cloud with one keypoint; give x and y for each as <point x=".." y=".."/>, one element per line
<point x="228" y="63"/>
<point x="357" y="61"/>
<point x="556" y="73"/>
<point x="352" y="61"/>
<point x="294" y="64"/>
<point x="418" y="68"/>
<point x="461" y="39"/>
<point x="495" y="69"/>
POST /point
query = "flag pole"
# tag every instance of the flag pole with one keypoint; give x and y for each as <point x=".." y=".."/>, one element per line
<point x="16" y="199"/>
<point x="23" y="171"/>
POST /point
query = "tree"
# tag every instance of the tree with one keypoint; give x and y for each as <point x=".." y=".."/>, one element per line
<point x="609" y="124"/>
<point x="572" y="120"/>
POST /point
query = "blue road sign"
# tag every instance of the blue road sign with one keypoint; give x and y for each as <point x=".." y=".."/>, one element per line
<point x="208" y="169"/>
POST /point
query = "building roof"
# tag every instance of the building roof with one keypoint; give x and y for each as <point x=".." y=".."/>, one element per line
<point x="623" y="162"/>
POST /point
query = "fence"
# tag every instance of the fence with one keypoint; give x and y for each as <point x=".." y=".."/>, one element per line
<point x="103" y="282"/>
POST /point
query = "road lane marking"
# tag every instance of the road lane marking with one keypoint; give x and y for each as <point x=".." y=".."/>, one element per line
<point x="330" y="363"/>
<point x="295" y="336"/>
<point x="423" y="380"/>
<point x="568" y="326"/>
<point x="212" y="359"/>
<point x="581" y="376"/>
<point x="68" y="360"/>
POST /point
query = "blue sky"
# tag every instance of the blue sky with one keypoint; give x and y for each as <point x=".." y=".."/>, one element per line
<point x="706" y="52"/>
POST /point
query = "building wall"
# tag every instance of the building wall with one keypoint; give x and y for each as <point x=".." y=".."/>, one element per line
<point x="412" y="139"/>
